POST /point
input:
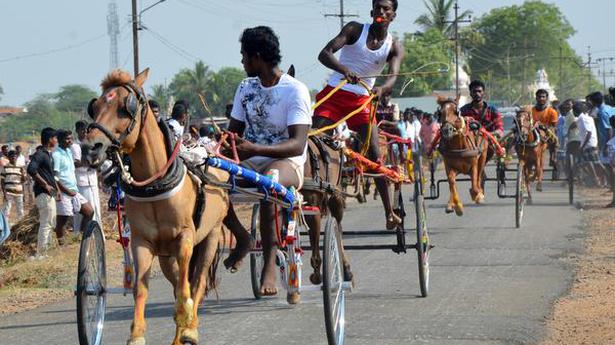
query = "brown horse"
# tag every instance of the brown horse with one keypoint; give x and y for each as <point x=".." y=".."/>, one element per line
<point x="163" y="226"/>
<point x="322" y="188"/>
<point x="530" y="147"/>
<point x="463" y="150"/>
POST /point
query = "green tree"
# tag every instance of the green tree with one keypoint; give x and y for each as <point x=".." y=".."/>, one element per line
<point x="428" y="57"/>
<point x="519" y="40"/>
<point x="439" y="15"/>
<point x="74" y="98"/>
<point x="162" y="95"/>
<point x="1" y="92"/>
<point x="189" y="83"/>
<point x="221" y="88"/>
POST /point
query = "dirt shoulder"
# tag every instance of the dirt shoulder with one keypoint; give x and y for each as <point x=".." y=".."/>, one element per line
<point x="587" y="314"/>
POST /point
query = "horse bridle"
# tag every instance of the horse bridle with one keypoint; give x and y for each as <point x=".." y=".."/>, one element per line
<point x="135" y="104"/>
<point x="441" y="119"/>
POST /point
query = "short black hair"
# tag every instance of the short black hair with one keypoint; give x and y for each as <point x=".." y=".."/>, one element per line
<point x="80" y="125"/>
<point x="394" y="2"/>
<point x="178" y="110"/>
<point x="476" y="83"/>
<point x="153" y="104"/>
<point x="63" y="133"/>
<point x="203" y="131"/>
<point x="596" y="97"/>
<point x="542" y="92"/>
<point x="261" y="40"/>
<point x="5" y="147"/>
<point x="183" y="102"/>
<point x="46" y="134"/>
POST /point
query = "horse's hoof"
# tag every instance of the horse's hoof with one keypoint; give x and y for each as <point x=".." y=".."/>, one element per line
<point x="136" y="341"/>
<point x="189" y="336"/>
<point x="448" y="209"/>
<point x="315" y="278"/>
<point x="348" y="276"/>
<point x="480" y="198"/>
<point x="293" y="298"/>
<point x="459" y="211"/>
<point x="183" y="313"/>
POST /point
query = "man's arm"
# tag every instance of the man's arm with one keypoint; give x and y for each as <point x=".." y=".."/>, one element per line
<point x="294" y="146"/>
<point x="64" y="190"/>
<point x="498" y="122"/>
<point x="396" y="56"/>
<point x="586" y="140"/>
<point x="349" y="35"/>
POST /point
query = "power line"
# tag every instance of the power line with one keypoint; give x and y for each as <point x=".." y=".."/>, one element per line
<point x="341" y="15"/>
<point x="55" y="50"/>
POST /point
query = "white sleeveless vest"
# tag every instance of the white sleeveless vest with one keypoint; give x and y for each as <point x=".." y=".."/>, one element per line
<point x="365" y="62"/>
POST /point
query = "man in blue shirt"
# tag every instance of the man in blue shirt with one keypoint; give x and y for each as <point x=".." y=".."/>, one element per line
<point x="605" y="131"/>
<point x="69" y="201"/>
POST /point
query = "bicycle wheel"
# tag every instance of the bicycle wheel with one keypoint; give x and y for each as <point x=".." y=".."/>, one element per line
<point x="334" y="296"/>
<point x="422" y="236"/>
<point x="519" y="196"/>
<point x="91" y="286"/>
<point x="256" y="256"/>
<point x="570" y="166"/>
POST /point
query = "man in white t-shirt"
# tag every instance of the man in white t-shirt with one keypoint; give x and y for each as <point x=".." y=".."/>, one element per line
<point x="271" y="112"/>
<point x="87" y="179"/>
<point x="179" y="116"/>
<point x="588" y="134"/>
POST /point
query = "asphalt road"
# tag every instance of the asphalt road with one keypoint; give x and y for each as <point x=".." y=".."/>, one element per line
<point x="490" y="284"/>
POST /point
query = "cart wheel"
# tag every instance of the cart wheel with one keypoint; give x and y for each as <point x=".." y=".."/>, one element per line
<point x="91" y="286"/>
<point x="570" y="163"/>
<point x="519" y="196"/>
<point x="256" y="256"/>
<point x="334" y="296"/>
<point x="422" y="237"/>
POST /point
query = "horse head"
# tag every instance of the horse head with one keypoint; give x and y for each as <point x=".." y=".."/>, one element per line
<point x="525" y="126"/>
<point x="117" y="116"/>
<point x="451" y="122"/>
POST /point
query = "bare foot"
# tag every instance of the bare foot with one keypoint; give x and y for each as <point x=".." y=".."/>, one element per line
<point x="268" y="286"/>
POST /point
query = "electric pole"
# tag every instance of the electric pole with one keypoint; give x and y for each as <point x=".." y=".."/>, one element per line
<point x="589" y="69"/>
<point x="456" y="24"/>
<point x="341" y="15"/>
<point x="135" y="38"/>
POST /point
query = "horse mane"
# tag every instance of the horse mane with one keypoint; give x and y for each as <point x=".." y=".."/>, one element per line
<point x="117" y="77"/>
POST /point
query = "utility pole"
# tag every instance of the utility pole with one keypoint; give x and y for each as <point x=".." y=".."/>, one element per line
<point x="135" y="38"/>
<point x="561" y="76"/>
<point x="341" y="15"/>
<point x="456" y="24"/>
<point x="589" y="69"/>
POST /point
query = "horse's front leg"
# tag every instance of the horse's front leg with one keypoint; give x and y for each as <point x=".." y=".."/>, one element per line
<point x="527" y="169"/>
<point x="184" y="305"/>
<point x="539" y="171"/>
<point x="336" y="207"/>
<point x="476" y="177"/>
<point x="143" y="257"/>
<point x="454" y="203"/>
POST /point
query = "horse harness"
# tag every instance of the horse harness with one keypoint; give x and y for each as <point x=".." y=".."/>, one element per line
<point x="317" y="183"/>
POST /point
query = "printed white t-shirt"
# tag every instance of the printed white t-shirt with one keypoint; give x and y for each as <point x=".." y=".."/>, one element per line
<point x="268" y="111"/>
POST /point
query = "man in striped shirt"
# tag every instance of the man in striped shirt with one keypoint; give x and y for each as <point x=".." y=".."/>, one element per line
<point x="13" y="178"/>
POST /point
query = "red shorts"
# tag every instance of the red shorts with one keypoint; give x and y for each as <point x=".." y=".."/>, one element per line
<point x="341" y="104"/>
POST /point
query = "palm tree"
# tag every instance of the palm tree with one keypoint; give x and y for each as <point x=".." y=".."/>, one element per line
<point x="440" y="12"/>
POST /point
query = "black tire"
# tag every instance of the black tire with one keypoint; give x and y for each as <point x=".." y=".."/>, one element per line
<point x="519" y="196"/>
<point x="91" y="286"/>
<point x="570" y="167"/>
<point x="256" y="256"/>
<point x="422" y="236"/>
<point x="334" y="295"/>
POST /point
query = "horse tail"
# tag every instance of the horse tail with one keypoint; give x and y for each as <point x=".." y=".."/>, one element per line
<point x="212" y="277"/>
<point x="200" y="257"/>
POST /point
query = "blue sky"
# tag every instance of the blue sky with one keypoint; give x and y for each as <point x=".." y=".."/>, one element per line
<point x="72" y="36"/>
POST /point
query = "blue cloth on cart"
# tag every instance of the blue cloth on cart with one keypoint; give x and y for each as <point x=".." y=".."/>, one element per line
<point x="261" y="181"/>
<point x="5" y="228"/>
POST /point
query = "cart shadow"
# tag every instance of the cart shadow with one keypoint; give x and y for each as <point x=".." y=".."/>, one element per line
<point x="221" y="307"/>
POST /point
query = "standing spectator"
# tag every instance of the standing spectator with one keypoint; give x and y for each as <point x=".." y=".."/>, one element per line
<point x="4" y="159"/>
<point x="413" y="128"/>
<point x="179" y="115"/>
<point x="603" y="113"/>
<point x="21" y="159"/>
<point x="610" y="98"/>
<point x="70" y="201"/>
<point x="205" y="138"/>
<point x="155" y="107"/>
<point x="589" y="142"/>
<point x="564" y="109"/>
<point x="45" y="188"/>
<point x="87" y="180"/>
<point x="428" y="131"/>
<point x="573" y="141"/>
<point x="13" y="179"/>
<point x="610" y="166"/>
